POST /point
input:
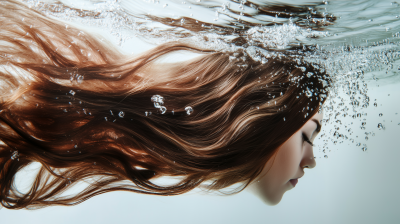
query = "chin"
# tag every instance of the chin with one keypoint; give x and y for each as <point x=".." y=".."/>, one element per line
<point x="272" y="200"/>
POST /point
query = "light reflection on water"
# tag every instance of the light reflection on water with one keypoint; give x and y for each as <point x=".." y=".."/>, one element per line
<point x="357" y="42"/>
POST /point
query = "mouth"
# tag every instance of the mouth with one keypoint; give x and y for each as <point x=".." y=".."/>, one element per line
<point x="293" y="182"/>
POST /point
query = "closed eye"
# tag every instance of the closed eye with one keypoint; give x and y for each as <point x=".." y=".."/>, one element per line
<point x="306" y="139"/>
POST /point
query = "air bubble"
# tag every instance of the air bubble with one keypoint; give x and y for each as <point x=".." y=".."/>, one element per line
<point x="15" y="155"/>
<point x="158" y="101"/>
<point x="72" y="92"/>
<point x="308" y="93"/>
<point x="189" y="110"/>
<point x="325" y="156"/>
<point x="380" y="126"/>
<point x="364" y="149"/>
<point x="380" y="115"/>
<point x="121" y="114"/>
<point x="163" y="110"/>
<point x="79" y="79"/>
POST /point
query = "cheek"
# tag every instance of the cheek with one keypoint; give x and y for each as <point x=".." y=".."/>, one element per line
<point x="277" y="173"/>
<point x="288" y="161"/>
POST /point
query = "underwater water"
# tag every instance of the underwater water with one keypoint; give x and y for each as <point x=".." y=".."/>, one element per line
<point x="357" y="152"/>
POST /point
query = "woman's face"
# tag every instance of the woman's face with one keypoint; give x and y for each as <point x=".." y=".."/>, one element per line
<point x="282" y="171"/>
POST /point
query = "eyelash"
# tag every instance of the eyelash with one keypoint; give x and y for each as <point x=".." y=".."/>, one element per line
<point x="307" y="140"/>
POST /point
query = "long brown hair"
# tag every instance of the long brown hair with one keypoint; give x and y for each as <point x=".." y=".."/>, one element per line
<point x="84" y="112"/>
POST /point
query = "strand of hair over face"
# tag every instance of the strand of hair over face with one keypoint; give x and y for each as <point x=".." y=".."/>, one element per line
<point x="85" y="112"/>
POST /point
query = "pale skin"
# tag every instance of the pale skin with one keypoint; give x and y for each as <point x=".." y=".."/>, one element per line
<point x="281" y="171"/>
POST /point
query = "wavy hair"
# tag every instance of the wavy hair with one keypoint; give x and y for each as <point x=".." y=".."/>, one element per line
<point x="84" y="112"/>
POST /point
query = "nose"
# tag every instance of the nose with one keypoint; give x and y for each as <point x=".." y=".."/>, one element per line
<point x="308" y="160"/>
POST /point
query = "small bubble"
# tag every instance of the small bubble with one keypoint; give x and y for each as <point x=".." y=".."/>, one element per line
<point x="380" y="126"/>
<point x="325" y="156"/>
<point x="163" y="109"/>
<point x="75" y="146"/>
<point x="189" y="110"/>
<point x="15" y="155"/>
<point x="121" y="114"/>
<point x="375" y="104"/>
<point x="146" y="113"/>
<point x="72" y="92"/>
<point x="79" y="79"/>
<point x="364" y="149"/>
<point x="380" y="115"/>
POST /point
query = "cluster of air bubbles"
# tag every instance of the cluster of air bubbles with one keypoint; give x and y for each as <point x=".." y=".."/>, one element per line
<point x="15" y="155"/>
<point x="158" y="102"/>
<point x="351" y="68"/>
<point x="125" y="26"/>
<point x="75" y="77"/>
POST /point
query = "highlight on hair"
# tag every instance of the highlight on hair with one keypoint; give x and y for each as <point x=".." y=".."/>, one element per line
<point x="84" y="112"/>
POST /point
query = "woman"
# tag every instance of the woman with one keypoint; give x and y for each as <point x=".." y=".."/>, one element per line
<point x="88" y="113"/>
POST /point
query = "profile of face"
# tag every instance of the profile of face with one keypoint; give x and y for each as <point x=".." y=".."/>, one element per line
<point x="282" y="171"/>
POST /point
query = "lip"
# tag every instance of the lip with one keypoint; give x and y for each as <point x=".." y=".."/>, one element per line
<point x="293" y="182"/>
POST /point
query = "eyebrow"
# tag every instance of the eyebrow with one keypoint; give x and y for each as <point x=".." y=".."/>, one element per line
<point x="318" y="126"/>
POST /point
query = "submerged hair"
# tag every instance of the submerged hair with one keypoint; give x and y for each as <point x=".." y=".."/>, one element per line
<point x="85" y="112"/>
